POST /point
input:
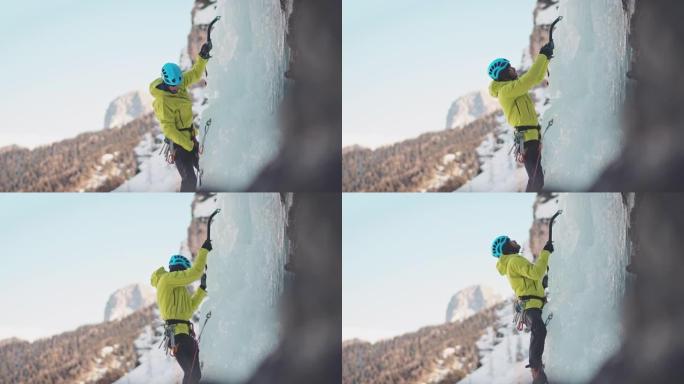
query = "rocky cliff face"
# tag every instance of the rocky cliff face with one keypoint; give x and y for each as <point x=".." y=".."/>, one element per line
<point x="203" y="12"/>
<point x="129" y="299"/>
<point x="127" y="108"/>
<point x="471" y="107"/>
<point x="202" y="206"/>
<point x="545" y="205"/>
<point x="470" y="301"/>
<point x="544" y="13"/>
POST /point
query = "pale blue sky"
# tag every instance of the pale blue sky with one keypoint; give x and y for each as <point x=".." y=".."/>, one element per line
<point x="64" y="254"/>
<point x="63" y="61"/>
<point x="405" y="61"/>
<point x="405" y="255"/>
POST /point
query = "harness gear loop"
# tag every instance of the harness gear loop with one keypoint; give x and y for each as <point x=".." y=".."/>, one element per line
<point x="520" y="307"/>
<point x="519" y="137"/>
<point x="168" y="150"/>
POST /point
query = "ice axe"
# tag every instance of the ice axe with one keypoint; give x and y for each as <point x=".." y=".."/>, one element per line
<point x="553" y="26"/>
<point x="209" y="223"/>
<point x="553" y="45"/>
<point x="211" y="25"/>
<point x="211" y="217"/>
<point x="553" y="218"/>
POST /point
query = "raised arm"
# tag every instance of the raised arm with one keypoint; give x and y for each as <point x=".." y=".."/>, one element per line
<point x="197" y="298"/>
<point x="533" y="77"/>
<point x="534" y="271"/>
<point x="180" y="278"/>
<point x="195" y="73"/>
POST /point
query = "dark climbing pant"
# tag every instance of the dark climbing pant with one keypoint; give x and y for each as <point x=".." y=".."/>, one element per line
<point x="187" y="356"/>
<point x="533" y="320"/>
<point x="186" y="162"/>
<point x="535" y="173"/>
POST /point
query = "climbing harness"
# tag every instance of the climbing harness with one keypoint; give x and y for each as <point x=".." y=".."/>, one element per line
<point x="169" y="339"/>
<point x="519" y="306"/>
<point x="519" y="142"/>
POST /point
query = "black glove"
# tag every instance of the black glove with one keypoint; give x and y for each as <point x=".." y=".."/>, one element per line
<point x="206" y="50"/>
<point x="547" y="50"/>
<point x="203" y="283"/>
<point x="549" y="246"/>
<point x="207" y="245"/>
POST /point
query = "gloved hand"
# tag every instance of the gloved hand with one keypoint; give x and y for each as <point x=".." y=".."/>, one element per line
<point x="206" y="50"/>
<point x="207" y="245"/>
<point x="549" y="246"/>
<point x="203" y="282"/>
<point x="547" y="50"/>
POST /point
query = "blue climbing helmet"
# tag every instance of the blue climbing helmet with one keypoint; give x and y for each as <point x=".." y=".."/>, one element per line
<point x="498" y="244"/>
<point x="179" y="260"/>
<point x="172" y="74"/>
<point x="496" y="67"/>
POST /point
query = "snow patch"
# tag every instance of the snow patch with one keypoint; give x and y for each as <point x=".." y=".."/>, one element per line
<point x="205" y="15"/>
<point x="156" y="175"/>
<point x="503" y="353"/>
<point x="205" y="208"/>
<point x="499" y="170"/>
<point x="546" y="16"/>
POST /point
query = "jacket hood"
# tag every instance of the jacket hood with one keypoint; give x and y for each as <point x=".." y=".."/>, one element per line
<point x="156" y="276"/>
<point x="494" y="88"/>
<point x="502" y="264"/>
<point x="156" y="92"/>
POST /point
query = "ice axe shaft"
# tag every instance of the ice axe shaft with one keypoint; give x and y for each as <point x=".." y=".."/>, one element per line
<point x="211" y="25"/>
<point x="553" y="218"/>
<point x="209" y="223"/>
<point x="553" y="26"/>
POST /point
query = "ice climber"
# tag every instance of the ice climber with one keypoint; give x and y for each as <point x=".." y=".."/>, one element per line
<point x="173" y="108"/>
<point x="526" y="280"/>
<point x="512" y="93"/>
<point x="177" y="305"/>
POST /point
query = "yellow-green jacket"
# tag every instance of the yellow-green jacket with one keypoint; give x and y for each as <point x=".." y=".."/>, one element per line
<point x="525" y="278"/>
<point x="173" y="298"/>
<point x="174" y="111"/>
<point x="515" y="100"/>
